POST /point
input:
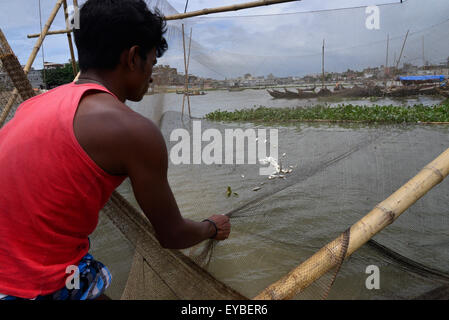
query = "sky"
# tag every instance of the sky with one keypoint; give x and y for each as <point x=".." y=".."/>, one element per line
<point x="282" y="39"/>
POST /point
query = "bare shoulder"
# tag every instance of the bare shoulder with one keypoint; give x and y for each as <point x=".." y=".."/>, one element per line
<point x="113" y="135"/>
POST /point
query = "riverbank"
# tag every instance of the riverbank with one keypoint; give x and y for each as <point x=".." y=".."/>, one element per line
<point x="341" y="113"/>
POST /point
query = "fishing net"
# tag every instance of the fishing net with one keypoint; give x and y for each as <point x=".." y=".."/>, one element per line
<point x="14" y="85"/>
<point x="334" y="173"/>
<point x="338" y="172"/>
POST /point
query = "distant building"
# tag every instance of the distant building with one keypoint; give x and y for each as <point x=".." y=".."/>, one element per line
<point x="165" y="75"/>
<point x="52" y="65"/>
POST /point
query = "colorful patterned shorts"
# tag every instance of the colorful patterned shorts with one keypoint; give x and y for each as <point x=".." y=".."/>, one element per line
<point x="94" y="279"/>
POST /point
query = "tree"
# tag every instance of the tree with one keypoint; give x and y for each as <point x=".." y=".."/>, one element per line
<point x="59" y="76"/>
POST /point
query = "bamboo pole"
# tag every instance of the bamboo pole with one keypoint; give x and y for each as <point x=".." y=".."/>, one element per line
<point x="180" y="16"/>
<point x="31" y="59"/>
<point x="386" y="59"/>
<point x="381" y="216"/>
<point x="35" y="35"/>
<point x="69" y="38"/>
<point x="188" y="64"/>
<point x="322" y="65"/>
<point x="185" y="70"/>
<point x="235" y="7"/>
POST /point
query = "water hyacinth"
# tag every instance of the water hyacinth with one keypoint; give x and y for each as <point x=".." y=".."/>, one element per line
<point x="354" y="113"/>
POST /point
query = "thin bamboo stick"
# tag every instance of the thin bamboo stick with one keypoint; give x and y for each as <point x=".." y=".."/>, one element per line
<point x="69" y="38"/>
<point x="187" y="73"/>
<point x="198" y="13"/>
<point x="185" y="69"/>
<point x="381" y="216"/>
<point x="35" y="35"/>
<point x="31" y="59"/>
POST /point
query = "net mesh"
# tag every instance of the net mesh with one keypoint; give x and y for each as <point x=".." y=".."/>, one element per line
<point x="339" y="172"/>
<point x="14" y="85"/>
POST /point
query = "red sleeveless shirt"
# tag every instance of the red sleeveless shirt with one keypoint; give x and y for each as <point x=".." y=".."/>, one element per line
<point x="51" y="192"/>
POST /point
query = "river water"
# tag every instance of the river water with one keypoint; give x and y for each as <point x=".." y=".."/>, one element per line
<point x="339" y="173"/>
<point x="230" y="101"/>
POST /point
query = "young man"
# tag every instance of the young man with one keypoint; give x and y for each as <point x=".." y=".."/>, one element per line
<point x="65" y="151"/>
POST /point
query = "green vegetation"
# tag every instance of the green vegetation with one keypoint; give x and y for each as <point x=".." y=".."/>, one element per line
<point x="59" y="76"/>
<point x="350" y="113"/>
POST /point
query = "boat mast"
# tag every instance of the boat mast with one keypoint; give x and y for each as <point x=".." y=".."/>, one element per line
<point x="402" y="50"/>
<point x="322" y="66"/>
<point x="423" y="55"/>
<point x="386" y="60"/>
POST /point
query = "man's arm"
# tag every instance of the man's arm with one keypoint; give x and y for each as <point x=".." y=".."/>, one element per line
<point x="145" y="160"/>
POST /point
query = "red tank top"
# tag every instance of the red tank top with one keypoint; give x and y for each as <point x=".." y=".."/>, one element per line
<point x="51" y="192"/>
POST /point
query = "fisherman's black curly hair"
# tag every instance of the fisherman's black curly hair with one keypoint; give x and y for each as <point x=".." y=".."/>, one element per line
<point x="107" y="27"/>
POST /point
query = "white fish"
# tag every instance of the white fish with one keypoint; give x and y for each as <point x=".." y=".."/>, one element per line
<point x="273" y="162"/>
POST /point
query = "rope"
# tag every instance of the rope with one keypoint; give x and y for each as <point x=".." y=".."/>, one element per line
<point x="43" y="54"/>
<point x="341" y="258"/>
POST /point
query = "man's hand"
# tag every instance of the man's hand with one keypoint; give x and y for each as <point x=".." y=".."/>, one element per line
<point x="223" y="226"/>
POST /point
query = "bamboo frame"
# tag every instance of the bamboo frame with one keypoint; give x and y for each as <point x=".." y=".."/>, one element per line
<point x="31" y="59"/>
<point x="380" y="217"/>
<point x="180" y="16"/>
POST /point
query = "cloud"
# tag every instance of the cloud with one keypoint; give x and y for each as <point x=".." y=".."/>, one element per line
<point x="290" y="44"/>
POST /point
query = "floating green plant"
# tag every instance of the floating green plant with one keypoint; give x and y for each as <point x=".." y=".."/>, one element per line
<point x="369" y="114"/>
<point x="229" y="192"/>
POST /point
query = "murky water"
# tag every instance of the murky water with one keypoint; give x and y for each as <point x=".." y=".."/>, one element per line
<point x="339" y="174"/>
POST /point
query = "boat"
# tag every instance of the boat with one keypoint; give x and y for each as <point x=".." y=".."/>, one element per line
<point x="283" y="95"/>
<point x="290" y="94"/>
<point x="306" y="94"/>
<point x="420" y="80"/>
<point x="324" y="92"/>
<point x="196" y="93"/>
<point x="275" y="93"/>
<point x="191" y="93"/>
<point x="417" y="85"/>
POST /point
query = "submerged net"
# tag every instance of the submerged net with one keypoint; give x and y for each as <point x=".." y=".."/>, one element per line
<point x="339" y="172"/>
